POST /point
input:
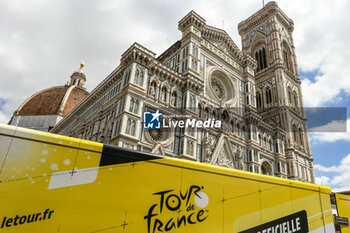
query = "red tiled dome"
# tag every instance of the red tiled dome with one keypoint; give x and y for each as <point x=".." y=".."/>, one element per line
<point x="59" y="100"/>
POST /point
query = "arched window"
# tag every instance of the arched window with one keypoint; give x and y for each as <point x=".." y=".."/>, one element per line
<point x="261" y="59"/>
<point x="295" y="134"/>
<point x="268" y="96"/>
<point x="136" y="108"/>
<point x="130" y="127"/>
<point x="270" y="145"/>
<point x="200" y="111"/>
<point x="131" y="107"/>
<point x="264" y="58"/>
<point x="258" y="100"/>
<point x="301" y="137"/>
<point x="173" y="99"/>
<point x="134" y="105"/>
<point x="137" y="74"/>
<point x="189" y="148"/>
<point x="286" y="59"/>
<point x="287" y="56"/>
<point x="290" y="96"/>
<point x="295" y="96"/>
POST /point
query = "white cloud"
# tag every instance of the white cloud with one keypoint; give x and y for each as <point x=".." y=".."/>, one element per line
<point x="333" y="126"/>
<point x="341" y="189"/>
<point x="325" y="169"/>
<point x="331" y="136"/>
<point x="321" y="44"/>
<point x="339" y="177"/>
<point x="3" y="118"/>
<point x="322" y="180"/>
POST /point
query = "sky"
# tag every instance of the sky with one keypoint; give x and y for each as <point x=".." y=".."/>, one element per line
<point x="43" y="42"/>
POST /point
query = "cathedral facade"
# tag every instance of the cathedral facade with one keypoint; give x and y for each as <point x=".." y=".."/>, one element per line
<point x="254" y="92"/>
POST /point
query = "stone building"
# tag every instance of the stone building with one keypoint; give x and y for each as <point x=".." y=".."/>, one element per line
<point x="43" y="110"/>
<point x="255" y="92"/>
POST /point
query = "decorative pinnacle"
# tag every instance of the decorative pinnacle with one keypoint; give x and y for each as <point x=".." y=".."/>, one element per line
<point x="82" y="64"/>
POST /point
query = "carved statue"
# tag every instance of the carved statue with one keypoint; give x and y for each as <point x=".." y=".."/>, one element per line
<point x="240" y="158"/>
<point x="224" y="159"/>
<point x="162" y="96"/>
<point x="152" y="91"/>
<point x="209" y="144"/>
<point x="173" y="100"/>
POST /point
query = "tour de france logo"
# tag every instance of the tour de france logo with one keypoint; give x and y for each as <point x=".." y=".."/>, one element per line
<point x="177" y="209"/>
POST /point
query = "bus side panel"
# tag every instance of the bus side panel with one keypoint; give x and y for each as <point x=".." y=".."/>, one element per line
<point x="6" y="134"/>
<point x="238" y="204"/>
<point x="27" y="158"/>
<point x="276" y="201"/>
<point x="37" y="180"/>
<point x="121" y="197"/>
<point x="327" y="212"/>
<point x="223" y="200"/>
<point x="60" y="185"/>
<point x="343" y="206"/>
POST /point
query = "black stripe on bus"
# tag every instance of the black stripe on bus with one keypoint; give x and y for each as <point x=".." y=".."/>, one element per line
<point x="117" y="155"/>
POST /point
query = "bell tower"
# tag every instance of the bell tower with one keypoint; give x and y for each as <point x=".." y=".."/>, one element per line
<point x="267" y="36"/>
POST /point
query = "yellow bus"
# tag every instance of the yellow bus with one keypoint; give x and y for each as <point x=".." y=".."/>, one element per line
<point x="341" y="206"/>
<point x="53" y="183"/>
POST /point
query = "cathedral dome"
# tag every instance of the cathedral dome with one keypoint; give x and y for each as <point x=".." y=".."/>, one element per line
<point x="44" y="109"/>
<point x="59" y="100"/>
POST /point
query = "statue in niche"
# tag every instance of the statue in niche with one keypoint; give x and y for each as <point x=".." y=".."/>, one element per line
<point x="173" y="99"/>
<point x="163" y="94"/>
<point x="152" y="89"/>
<point x="239" y="158"/>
